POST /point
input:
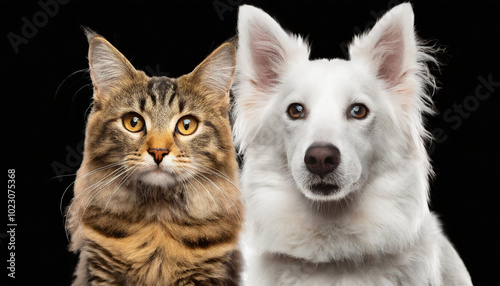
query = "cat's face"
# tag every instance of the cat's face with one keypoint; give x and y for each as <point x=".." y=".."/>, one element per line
<point x="160" y="131"/>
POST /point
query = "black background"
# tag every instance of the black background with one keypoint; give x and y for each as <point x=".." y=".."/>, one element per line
<point x="46" y="92"/>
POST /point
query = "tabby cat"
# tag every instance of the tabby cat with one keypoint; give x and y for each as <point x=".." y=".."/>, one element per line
<point x="156" y="200"/>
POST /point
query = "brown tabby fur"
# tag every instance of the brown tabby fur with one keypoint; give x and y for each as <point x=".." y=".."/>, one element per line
<point x="131" y="232"/>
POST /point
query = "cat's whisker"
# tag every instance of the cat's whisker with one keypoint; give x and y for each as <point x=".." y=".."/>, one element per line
<point x="75" y="72"/>
<point x="76" y="93"/>
<point x="232" y="205"/>
<point x="83" y="176"/>
<point x="185" y="179"/>
<point x="193" y="176"/>
<point x="87" y="110"/>
<point x="124" y="179"/>
<point x="62" y="176"/>
<point x="214" y="171"/>
<point x="88" y="190"/>
<point x="226" y="150"/>
<point x="123" y="170"/>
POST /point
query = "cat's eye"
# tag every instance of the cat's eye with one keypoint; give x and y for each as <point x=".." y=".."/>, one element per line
<point x="133" y="122"/>
<point x="358" y="111"/>
<point x="187" y="125"/>
<point x="296" y="111"/>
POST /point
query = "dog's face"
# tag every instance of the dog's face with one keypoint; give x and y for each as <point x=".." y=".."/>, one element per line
<point x="332" y="120"/>
<point x="328" y="127"/>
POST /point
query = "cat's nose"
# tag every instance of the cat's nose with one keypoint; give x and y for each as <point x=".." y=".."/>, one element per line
<point x="158" y="154"/>
<point x="321" y="159"/>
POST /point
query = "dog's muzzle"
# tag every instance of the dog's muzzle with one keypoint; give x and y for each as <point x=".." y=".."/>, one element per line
<point x="322" y="159"/>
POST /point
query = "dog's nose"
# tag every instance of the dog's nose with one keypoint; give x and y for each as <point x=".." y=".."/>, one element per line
<point x="321" y="159"/>
<point x="158" y="154"/>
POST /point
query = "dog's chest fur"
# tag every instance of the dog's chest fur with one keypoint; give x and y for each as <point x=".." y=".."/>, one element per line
<point x="418" y="264"/>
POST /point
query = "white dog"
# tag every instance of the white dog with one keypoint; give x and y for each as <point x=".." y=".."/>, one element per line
<point x="335" y="174"/>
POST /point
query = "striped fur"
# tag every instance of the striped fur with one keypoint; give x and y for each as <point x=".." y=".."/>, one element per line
<point x="182" y="230"/>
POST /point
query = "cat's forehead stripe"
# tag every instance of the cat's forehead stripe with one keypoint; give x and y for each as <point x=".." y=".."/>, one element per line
<point x="142" y="103"/>
<point x="172" y="96"/>
<point x="161" y="88"/>
<point x="181" y="105"/>
<point x="151" y="94"/>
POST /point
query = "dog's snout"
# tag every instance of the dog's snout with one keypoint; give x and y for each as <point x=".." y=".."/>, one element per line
<point x="321" y="159"/>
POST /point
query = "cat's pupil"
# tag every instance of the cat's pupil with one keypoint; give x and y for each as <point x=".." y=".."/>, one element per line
<point x="186" y="123"/>
<point x="134" y="121"/>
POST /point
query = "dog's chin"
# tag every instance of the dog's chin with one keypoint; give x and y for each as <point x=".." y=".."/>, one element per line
<point x="324" y="192"/>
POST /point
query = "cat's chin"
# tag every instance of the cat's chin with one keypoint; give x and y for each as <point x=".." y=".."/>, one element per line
<point x="158" y="178"/>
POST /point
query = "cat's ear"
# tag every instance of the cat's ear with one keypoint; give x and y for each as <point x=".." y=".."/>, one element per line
<point x="216" y="72"/>
<point x="390" y="48"/>
<point x="109" y="69"/>
<point x="264" y="49"/>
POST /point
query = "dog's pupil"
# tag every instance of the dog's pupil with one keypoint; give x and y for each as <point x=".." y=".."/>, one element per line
<point x="297" y="109"/>
<point x="358" y="111"/>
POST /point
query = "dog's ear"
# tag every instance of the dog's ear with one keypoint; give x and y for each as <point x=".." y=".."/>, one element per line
<point x="391" y="50"/>
<point x="264" y="49"/>
<point x="263" y="53"/>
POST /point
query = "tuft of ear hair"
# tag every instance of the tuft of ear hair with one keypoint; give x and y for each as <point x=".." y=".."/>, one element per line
<point x="392" y="51"/>
<point x="216" y="72"/>
<point x="265" y="48"/>
<point x="109" y="69"/>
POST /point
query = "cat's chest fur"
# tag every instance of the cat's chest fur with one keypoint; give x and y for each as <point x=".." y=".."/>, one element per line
<point x="157" y="252"/>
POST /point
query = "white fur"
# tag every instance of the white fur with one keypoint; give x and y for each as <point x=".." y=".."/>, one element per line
<point x="377" y="228"/>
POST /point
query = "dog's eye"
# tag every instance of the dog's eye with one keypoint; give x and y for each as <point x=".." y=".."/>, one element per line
<point x="296" y="111"/>
<point x="358" y="111"/>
